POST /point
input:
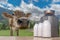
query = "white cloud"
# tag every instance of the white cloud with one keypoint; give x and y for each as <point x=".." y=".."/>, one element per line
<point x="56" y="7"/>
<point x="17" y="8"/>
<point x="30" y="8"/>
<point x="1" y="6"/>
<point x="6" y="5"/>
<point x="10" y="6"/>
<point x="3" y="1"/>
<point x="56" y="0"/>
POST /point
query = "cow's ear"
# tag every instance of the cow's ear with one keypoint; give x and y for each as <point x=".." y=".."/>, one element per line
<point x="28" y="15"/>
<point x="6" y="15"/>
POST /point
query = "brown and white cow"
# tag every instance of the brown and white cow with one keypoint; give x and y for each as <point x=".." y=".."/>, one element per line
<point x="18" y="20"/>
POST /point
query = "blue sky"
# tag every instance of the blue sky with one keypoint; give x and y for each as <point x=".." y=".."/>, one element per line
<point x="37" y="3"/>
<point x="40" y="3"/>
<point x="26" y="5"/>
<point x="15" y="2"/>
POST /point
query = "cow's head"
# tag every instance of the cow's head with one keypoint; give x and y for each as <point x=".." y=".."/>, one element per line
<point x="18" y="18"/>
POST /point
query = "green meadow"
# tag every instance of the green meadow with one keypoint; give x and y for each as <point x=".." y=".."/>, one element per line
<point x="23" y="32"/>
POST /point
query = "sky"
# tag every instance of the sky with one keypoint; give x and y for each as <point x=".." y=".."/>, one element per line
<point x="33" y="6"/>
<point x="38" y="3"/>
<point x="36" y="7"/>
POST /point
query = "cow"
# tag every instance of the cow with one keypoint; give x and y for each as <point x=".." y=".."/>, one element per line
<point x="17" y="20"/>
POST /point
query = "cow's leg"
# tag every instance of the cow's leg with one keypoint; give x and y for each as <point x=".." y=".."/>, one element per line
<point x="17" y="31"/>
<point x="11" y="31"/>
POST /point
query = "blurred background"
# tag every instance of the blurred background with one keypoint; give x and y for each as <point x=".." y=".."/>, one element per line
<point x="35" y="7"/>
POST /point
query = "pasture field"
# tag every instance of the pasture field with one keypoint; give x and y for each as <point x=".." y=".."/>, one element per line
<point x="23" y="32"/>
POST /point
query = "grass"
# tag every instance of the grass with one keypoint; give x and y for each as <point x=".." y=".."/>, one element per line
<point x="21" y="33"/>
